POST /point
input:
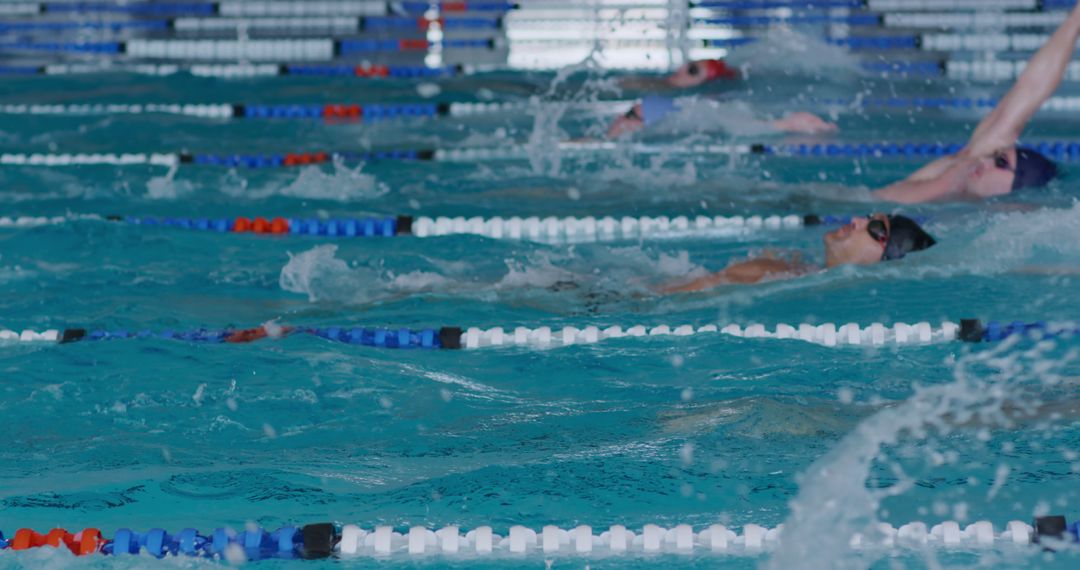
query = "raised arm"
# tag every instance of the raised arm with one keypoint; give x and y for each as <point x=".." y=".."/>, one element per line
<point x="942" y="179"/>
<point x="1044" y="71"/>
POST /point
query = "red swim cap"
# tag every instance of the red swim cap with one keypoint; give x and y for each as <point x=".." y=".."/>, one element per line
<point x="717" y="69"/>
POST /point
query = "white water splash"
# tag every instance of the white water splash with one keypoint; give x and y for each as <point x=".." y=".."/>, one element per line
<point x="319" y="274"/>
<point x="537" y="271"/>
<point x="785" y="50"/>
<point x="322" y="276"/>
<point x="545" y="157"/>
<point x="543" y="146"/>
<point x="1012" y="239"/>
<point x="167" y="187"/>
<point x="342" y="184"/>
<point x="995" y="388"/>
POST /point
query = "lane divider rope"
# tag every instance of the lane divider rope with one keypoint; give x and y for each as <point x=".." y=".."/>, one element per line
<point x="324" y="50"/>
<point x="908" y="20"/>
<point x="262" y="8"/>
<point x="989" y="19"/>
<point x="324" y="540"/>
<point x="998" y="70"/>
<point x="228" y="24"/>
<point x="1058" y="150"/>
<point x="1058" y="103"/>
<point x="37" y="221"/>
<point x="330" y="111"/>
<point x="258" y="50"/>
<point x="324" y="24"/>
<point x="827" y="334"/>
<point x="244" y="70"/>
<point x="535" y="228"/>
<point x="776" y="4"/>
<point x="52" y="26"/>
<point x="953" y="5"/>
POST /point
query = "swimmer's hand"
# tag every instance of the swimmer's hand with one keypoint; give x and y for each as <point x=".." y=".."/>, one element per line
<point x="805" y="123"/>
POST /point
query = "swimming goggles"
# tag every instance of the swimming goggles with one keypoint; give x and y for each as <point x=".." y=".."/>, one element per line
<point x="1001" y="160"/>
<point x="878" y="229"/>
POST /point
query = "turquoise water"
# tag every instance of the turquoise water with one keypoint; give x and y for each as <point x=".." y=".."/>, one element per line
<point x="699" y="430"/>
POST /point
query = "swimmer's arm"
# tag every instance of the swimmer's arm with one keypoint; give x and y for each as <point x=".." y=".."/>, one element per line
<point x="744" y="272"/>
<point x="945" y="180"/>
<point x="1044" y="71"/>
<point x="800" y="122"/>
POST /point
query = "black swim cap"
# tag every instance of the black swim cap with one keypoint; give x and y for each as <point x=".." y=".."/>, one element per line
<point x="905" y="236"/>
<point x="1032" y="169"/>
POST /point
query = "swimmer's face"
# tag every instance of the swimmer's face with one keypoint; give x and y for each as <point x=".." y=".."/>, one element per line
<point x="628" y="123"/>
<point x="855" y="244"/>
<point x="689" y="75"/>
<point x="993" y="175"/>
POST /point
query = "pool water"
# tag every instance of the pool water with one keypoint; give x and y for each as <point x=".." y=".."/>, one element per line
<point x="699" y="430"/>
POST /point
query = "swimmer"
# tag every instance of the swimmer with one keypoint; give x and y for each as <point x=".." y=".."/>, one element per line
<point x="689" y="75"/>
<point x="653" y="108"/>
<point x="865" y="241"/>
<point x="991" y="164"/>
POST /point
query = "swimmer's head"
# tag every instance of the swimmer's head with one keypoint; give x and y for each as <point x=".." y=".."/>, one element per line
<point x="701" y="71"/>
<point x="1010" y="169"/>
<point x="1033" y="170"/>
<point x="875" y="238"/>
<point x="650" y="110"/>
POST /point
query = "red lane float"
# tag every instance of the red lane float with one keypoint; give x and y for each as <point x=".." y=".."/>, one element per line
<point x="88" y="541"/>
<point x="417" y="45"/>
<point x="261" y="225"/>
<point x="300" y="159"/>
<point x="331" y="111"/>
<point x="372" y="71"/>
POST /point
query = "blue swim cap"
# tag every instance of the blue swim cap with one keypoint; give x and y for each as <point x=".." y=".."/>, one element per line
<point x="905" y="236"/>
<point x="654" y="108"/>
<point x="1032" y="169"/>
